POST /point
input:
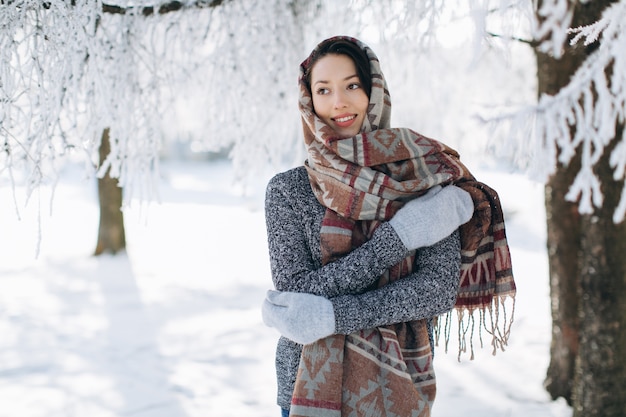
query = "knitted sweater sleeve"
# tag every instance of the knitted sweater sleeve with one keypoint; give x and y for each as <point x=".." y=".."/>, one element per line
<point x="428" y="292"/>
<point x="291" y="210"/>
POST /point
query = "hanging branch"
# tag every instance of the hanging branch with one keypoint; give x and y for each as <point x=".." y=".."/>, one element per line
<point x="531" y="43"/>
<point x="552" y="30"/>
<point x="164" y="8"/>
<point x="593" y="103"/>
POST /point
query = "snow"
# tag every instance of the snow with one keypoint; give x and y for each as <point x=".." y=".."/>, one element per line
<point x="173" y="328"/>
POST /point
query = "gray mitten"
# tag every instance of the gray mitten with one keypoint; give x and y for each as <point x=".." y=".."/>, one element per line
<point x="303" y="318"/>
<point x="428" y="219"/>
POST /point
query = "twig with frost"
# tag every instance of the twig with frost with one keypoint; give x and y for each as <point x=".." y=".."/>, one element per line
<point x="590" y="107"/>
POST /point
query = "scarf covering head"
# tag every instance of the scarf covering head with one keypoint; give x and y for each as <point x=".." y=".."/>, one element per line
<point x="362" y="181"/>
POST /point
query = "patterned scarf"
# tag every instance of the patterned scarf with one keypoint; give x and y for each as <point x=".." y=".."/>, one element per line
<point x="362" y="181"/>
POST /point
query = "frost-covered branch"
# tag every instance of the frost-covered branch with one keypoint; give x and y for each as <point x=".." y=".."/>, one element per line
<point x="155" y="72"/>
<point x="530" y="42"/>
<point x="163" y="8"/>
<point x="551" y="29"/>
<point x="590" y="107"/>
<point x="70" y="71"/>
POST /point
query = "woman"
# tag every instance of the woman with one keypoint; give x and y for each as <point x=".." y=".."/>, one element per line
<point x="364" y="247"/>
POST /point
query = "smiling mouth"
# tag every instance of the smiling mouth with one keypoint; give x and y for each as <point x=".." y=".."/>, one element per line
<point x="345" y="119"/>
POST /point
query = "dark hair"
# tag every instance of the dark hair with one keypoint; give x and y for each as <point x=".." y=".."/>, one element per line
<point x="341" y="46"/>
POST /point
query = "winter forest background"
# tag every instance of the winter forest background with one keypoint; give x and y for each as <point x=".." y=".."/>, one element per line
<point x="200" y="100"/>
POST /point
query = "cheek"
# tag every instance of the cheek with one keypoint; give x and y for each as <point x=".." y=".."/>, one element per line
<point x="319" y="106"/>
<point x="314" y="103"/>
<point x="364" y="104"/>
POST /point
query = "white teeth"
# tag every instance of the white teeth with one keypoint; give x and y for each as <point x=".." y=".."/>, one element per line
<point x="344" y="119"/>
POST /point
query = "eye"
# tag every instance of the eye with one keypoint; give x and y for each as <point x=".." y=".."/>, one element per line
<point x="354" y="86"/>
<point x="322" y="91"/>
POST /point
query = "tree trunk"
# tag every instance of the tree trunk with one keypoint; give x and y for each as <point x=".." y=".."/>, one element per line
<point x="600" y="382"/>
<point x="563" y="240"/>
<point x="111" y="235"/>
<point x="587" y="269"/>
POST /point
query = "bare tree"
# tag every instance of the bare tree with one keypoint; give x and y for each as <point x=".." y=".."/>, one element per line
<point x="577" y="142"/>
<point x="80" y="71"/>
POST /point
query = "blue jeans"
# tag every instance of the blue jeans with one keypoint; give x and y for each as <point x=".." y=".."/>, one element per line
<point x="285" y="412"/>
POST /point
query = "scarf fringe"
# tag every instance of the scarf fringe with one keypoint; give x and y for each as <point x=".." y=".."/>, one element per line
<point x="493" y="319"/>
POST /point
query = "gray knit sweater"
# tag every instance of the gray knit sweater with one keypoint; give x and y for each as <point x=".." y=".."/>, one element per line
<point x="294" y="217"/>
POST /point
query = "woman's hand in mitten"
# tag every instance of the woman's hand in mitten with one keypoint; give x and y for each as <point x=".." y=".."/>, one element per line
<point x="428" y="219"/>
<point x="301" y="317"/>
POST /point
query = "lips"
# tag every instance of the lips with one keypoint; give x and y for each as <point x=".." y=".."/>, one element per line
<point x="344" y="120"/>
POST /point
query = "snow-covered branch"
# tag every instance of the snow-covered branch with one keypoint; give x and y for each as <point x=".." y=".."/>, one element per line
<point x="163" y="8"/>
<point x="555" y="18"/>
<point x="70" y="70"/>
<point x="582" y="116"/>
<point x="158" y="71"/>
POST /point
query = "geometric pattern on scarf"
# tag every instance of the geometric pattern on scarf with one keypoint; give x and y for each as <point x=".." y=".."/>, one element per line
<point x="362" y="181"/>
<point x="367" y="373"/>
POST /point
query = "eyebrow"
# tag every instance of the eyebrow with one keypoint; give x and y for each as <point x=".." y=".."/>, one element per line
<point x="345" y="79"/>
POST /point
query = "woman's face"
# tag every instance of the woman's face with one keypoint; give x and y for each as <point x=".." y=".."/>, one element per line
<point x="338" y="96"/>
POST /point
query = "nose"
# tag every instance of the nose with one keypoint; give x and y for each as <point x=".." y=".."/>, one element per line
<point x="340" y="100"/>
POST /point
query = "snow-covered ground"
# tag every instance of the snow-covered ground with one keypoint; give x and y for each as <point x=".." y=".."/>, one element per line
<point x="173" y="328"/>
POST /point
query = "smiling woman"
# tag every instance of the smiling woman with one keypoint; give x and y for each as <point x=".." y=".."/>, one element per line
<point x="365" y="247"/>
<point x="340" y="83"/>
<point x="338" y="95"/>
